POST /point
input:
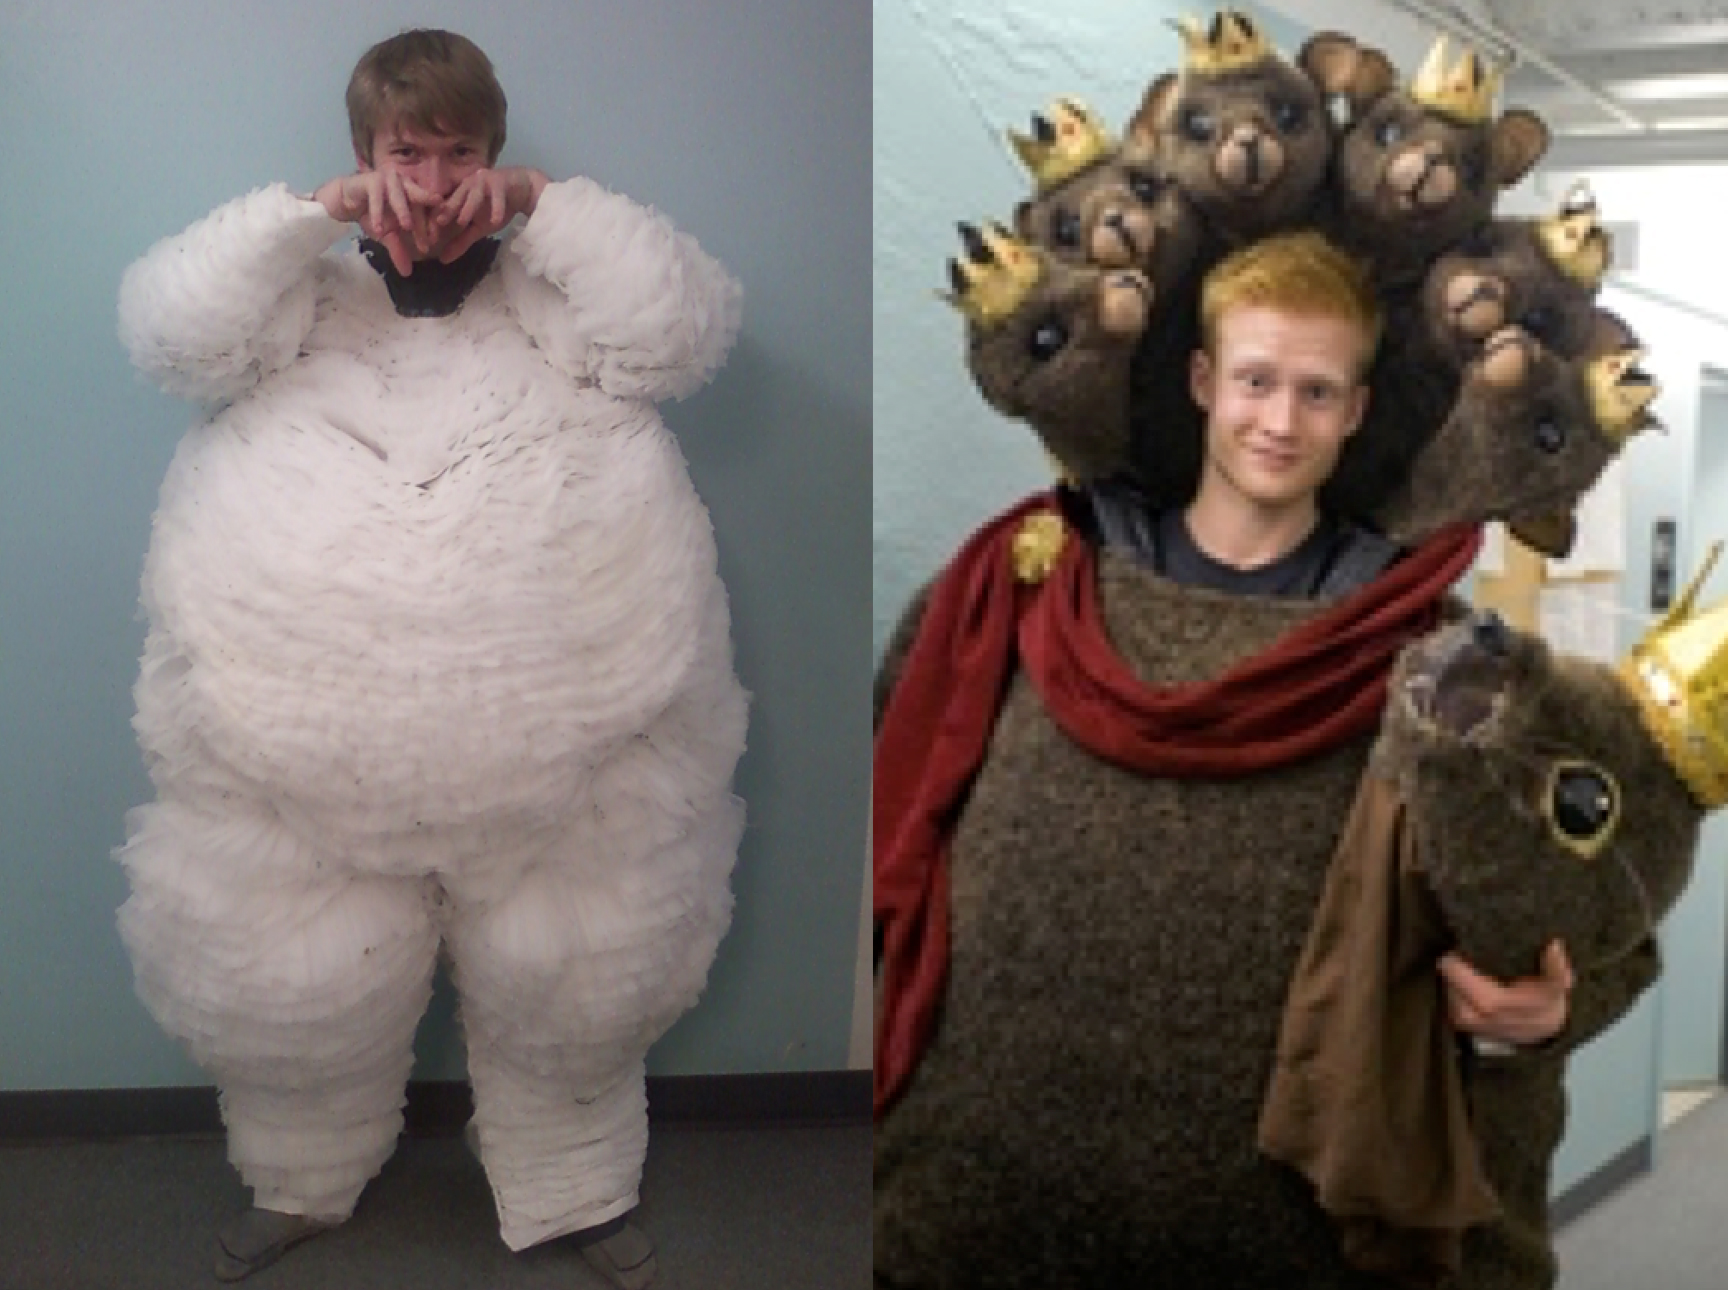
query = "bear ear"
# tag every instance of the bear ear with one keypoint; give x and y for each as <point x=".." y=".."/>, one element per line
<point x="1338" y="65"/>
<point x="1155" y="108"/>
<point x="1023" y="220"/>
<point x="1517" y="143"/>
<point x="1608" y="332"/>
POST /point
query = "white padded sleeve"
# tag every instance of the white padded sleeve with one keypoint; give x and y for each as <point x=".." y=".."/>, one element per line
<point x="210" y="312"/>
<point x="634" y="305"/>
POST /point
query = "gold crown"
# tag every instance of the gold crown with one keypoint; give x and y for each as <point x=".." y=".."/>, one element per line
<point x="1574" y="240"/>
<point x="1232" y="42"/>
<point x="1064" y="141"/>
<point x="1620" y="393"/>
<point x="1463" y="91"/>
<point x="998" y="271"/>
<point x="1679" y="676"/>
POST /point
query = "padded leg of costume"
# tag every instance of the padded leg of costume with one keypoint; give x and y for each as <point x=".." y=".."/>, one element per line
<point x="616" y="1249"/>
<point x="566" y="979"/>
<point x="297" y="984"/>
<point x="572" y="964"/>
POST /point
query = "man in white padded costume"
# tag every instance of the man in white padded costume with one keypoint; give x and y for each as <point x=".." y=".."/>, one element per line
<point x="438" y="656"/>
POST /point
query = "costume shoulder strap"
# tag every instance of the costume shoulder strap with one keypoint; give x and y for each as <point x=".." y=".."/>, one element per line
<point x="1358" y="558"/>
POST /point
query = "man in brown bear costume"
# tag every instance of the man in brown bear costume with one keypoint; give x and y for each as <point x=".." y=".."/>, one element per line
<point x="1098" y="862"/>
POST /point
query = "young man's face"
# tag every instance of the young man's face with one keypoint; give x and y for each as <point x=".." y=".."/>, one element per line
<point x="1281" y="395"/>
<point x="436" y="162"/>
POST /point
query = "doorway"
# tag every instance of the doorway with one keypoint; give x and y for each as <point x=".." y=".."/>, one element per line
<point x="1695" y="933"/>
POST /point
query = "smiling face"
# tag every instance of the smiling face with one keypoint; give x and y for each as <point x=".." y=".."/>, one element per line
<point x="436" y="161"/>
<point x="1282" y="391"/>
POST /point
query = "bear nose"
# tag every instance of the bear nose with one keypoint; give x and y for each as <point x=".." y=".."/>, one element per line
<point x="1490" y="635"/>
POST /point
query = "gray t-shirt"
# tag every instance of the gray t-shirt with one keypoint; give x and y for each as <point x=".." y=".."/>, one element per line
<point x="1336" y="556"/>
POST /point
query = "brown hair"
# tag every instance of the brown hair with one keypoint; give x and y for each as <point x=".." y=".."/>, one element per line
<point x="1299" y="273"/>
<point x="435" y="81"/>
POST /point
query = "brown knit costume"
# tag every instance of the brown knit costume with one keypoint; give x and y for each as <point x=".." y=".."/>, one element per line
<point x="1120" y="949"/>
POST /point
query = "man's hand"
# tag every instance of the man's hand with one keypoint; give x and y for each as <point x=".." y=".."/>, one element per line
<point x="482" y="204"/>
<point x="389" y="209"/>
<point x="1531" y="1010"/>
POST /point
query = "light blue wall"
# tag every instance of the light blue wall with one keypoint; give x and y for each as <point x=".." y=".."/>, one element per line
<point x="1695" y="934"/>
<point x="119" y="124"/>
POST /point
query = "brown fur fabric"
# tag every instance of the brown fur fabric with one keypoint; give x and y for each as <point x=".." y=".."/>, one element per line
<point x="1086" y="1112"/>
<point x="1520" y="442"/>
<point x="1125" y="213"/>
<point x="1060" y="362"/>
<point x="1166" y="430"/>
<point x="1480" y="724"/>
<point x="1252" y="146"/>
<point x="1409" y="398"/>
<point x="1496" y="277"/>
<point x="1412" y="182"/>
<point x="1121" y="213"/>
<point x="1249" y="147"/>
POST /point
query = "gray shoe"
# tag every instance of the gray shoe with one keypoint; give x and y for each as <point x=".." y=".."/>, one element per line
<point x="625" y="1259"/>
<point x="259" y="1237"/>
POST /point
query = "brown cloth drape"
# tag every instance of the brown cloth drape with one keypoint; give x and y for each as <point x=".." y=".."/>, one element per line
<point x="1367" y="1099"/>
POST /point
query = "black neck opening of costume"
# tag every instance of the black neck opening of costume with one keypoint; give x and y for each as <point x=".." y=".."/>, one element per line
<point x="433" y="289"/>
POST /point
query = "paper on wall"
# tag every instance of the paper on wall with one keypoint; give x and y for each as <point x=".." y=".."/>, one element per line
<point x="1491" y="559"/>
<point x="1601" y="542"/>
<point x="1581" y="617"/>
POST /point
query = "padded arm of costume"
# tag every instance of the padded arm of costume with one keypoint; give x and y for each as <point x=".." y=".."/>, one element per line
<point x="614" y="294"/>
<point x="210" y="312"/>
<point x="894" y="656"/>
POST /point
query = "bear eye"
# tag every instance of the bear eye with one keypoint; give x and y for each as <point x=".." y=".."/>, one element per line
<point x="1196" y="123"/>
<point x="1144" y="186"/>
<point x="1478" y="243"/>
<point x="1582" y="805"/>
<point x="1047" y="339"/>
<point x="1389" y="132"/>
<point x="1065" y="228"/>
<point x="1541" y="322"/>
<point x="1475" y="167"/>
<point x="1287" y="116"/>
<point x="1550" y="435"/>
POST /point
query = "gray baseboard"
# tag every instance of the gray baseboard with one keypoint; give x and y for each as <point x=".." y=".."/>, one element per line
<point x="1603" y="1182"/>
<point x="442" y="1106"/>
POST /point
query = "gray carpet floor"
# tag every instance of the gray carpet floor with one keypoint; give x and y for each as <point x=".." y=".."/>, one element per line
<point x="1667" y="1229"/>
<point x="728" y="1209"/>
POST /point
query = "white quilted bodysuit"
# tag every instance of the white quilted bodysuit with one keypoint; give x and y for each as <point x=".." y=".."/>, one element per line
<point x="437" y="655"/>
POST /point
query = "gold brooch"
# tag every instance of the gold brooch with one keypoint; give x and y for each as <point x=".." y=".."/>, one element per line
<point x="1037" y="546"/>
